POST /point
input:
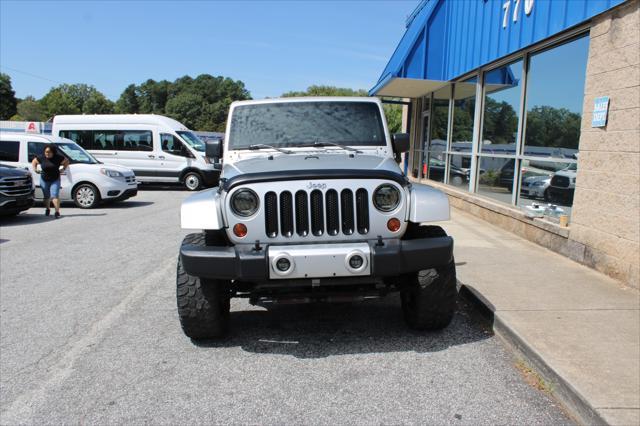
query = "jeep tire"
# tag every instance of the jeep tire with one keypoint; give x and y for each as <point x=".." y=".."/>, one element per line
<point x="203" y="304"/>
<point x="429" y="296"/>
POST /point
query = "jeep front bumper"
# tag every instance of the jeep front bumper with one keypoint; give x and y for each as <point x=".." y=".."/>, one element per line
<point x="245" y="263"/>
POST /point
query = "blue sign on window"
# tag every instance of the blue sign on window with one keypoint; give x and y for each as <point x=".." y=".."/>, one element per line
<point x="600" y="110"/>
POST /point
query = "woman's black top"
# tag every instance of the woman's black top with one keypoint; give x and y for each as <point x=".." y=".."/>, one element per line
<point x="50" y="171"/>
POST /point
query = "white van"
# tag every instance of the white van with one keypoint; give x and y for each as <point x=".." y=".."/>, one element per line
<point x="85" y="182"/>
<point x="156" y="148"/>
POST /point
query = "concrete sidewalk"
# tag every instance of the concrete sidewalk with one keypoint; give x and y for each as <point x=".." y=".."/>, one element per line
<point x="579" y="329"/>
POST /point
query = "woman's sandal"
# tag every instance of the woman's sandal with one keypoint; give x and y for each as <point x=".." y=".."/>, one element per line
<point x="47" y="212"/>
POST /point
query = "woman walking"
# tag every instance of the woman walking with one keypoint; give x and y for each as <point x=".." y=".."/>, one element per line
<point x="51" y="164"/>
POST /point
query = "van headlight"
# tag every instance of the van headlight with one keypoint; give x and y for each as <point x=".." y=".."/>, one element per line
<point x="111" y="173"/>
<point x="386" y="197"/>
<point x="244" y="202"/>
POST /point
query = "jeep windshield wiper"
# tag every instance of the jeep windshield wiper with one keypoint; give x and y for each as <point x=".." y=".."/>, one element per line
<point x="324" y="144"/>
<point x="264" y="145"/>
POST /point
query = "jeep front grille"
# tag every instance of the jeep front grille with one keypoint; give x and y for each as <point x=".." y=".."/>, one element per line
<point x="327" y="212"/>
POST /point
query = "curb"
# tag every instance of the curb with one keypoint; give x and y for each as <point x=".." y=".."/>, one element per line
<point x="571" y="399"/>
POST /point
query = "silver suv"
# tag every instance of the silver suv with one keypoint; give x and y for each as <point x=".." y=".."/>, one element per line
<point x="312" y="206"/>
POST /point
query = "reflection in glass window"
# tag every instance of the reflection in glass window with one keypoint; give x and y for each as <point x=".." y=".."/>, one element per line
<point x="439" y="119"/>
<point x="502" y="88"/>
<point x="555" y="91"/>
<point x="464" y="107"/>
<point x="548" y="182"/>
<point x="495" y="178"/>
<point x="459" y="170"/>
<point x="436" y="168"/>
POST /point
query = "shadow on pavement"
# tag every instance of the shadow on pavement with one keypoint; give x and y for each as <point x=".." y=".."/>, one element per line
<point x="161" y="187"/>
<point x="321" y="330"/>
<point x="34" y="218"/>
<point x="125" y="204"/>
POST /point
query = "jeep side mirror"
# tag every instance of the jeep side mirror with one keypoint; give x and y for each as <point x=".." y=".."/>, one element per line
<point x="213" y="149"/>
<point x="400" y="142"/>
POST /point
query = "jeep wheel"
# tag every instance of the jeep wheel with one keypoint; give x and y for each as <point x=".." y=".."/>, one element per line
<point x="429" y="296"/>
<point x="192" y="181"/>
<point x="203" y="304"/>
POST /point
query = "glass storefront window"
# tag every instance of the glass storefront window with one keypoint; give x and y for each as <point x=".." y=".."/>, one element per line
<point x="437" y="145"/>
<point x="502" y="92"/>
<point x="495" y="179"/>
<point x="459" y="171"/>
<point x="464" y="107"/>
<point x="548" y="182"/>
<point x="555" y="92"/>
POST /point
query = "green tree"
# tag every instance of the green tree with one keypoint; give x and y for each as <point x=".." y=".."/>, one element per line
<point x="201" y="103"/>
<point x="29" y="109"/>
<point x="186" y="108"/>
<point x="8" y="101"/>
<point x="75" y="99"/>
<point x="128" y="101"/>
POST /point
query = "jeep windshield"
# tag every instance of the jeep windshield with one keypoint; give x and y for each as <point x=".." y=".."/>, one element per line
<point x="306" y="124"/>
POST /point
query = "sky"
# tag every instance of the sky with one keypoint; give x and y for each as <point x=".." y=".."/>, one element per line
<point x="272" y="46"/>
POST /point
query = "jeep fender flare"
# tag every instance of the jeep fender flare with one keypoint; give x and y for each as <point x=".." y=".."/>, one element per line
<point x="427" y="204"/>
<point x="202" y="210"/>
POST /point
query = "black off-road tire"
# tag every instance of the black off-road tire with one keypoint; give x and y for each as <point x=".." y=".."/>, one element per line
<point x="203" y="305"/>
<point x="429" y="296"/>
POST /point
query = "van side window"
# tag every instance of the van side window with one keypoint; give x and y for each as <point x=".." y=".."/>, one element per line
<point x="111" y="140"/>
<point x="84" y="138"/>
<point x="10" y="151"/>
<point x="134" y="140"/>
<point x="34" y="149"/>
<point x="171" y="144"/>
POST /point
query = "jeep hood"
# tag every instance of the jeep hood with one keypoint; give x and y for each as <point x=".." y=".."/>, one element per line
<point x="309" y="161"/>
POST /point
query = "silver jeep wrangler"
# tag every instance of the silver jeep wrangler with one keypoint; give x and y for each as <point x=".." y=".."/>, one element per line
<point x="312" y="206"/>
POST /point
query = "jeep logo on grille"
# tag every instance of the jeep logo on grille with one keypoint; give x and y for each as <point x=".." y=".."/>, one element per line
<point x="312" y="185"/>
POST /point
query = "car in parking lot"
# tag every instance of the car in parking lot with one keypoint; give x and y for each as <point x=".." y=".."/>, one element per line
<point x="86" y="181"/>
<point x="16" y="190"/>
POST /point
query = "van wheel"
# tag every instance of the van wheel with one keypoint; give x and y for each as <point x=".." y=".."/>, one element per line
<point x="86" y="196"/>
<point x="192" y="181"/>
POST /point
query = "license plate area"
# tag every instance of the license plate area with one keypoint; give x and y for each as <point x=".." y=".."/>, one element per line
<point x="319" y="260"/>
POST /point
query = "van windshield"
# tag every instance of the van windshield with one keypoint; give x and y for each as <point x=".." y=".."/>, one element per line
<point x="76" y="154"/>
<point x="193" y="141"/>
<point x="303" y="124"/>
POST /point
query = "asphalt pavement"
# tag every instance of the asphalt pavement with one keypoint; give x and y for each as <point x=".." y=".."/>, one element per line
<point x="89" y="334"/>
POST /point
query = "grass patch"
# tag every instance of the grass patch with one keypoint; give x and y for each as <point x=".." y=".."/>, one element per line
<point x="533" y="378"/>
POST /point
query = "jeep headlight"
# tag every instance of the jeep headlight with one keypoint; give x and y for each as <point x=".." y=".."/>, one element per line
<point x="244" y="202"/>
<point x="386" y="197"/>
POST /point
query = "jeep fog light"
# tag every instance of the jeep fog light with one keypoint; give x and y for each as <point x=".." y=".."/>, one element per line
<point x="393" y="224"/>
<point x="386" y="197"/>
<point x="283" y="264"/>
<point x="244" y="203"/>
<point x="240" y="230"/>
<point x="355" y="261"/>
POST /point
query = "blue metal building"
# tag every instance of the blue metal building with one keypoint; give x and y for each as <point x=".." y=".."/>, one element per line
<point x="496" y="93"/>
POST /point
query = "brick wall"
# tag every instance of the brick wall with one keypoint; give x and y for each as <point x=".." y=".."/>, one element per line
<point x="606" y="209"/>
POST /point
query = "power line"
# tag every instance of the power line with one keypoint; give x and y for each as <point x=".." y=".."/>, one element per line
<point x="30" y="74"/>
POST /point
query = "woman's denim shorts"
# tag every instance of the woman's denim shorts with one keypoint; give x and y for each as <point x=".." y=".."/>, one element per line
<point x="50" y="189"/>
